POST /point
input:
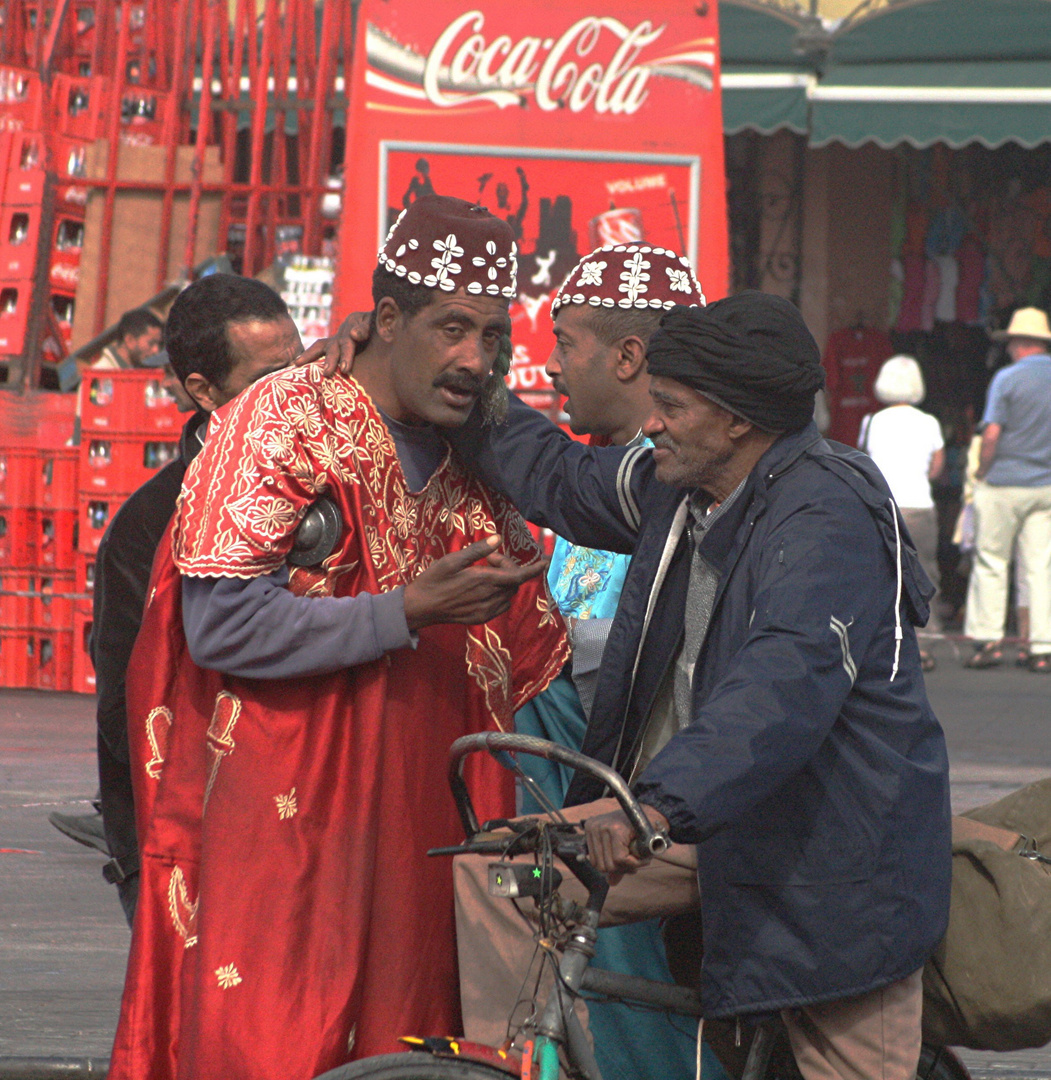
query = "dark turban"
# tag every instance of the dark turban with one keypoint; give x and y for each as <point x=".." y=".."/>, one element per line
<point x="752" y="353"/>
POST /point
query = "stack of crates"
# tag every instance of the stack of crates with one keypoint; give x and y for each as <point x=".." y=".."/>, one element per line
<point x="129" y="429"/>
<point x="38" y="523"/>
<point x="55" y="504"/>
<point x="22" y="165"/>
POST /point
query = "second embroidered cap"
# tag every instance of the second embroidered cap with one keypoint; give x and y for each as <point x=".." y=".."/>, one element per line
<point x="445" y="243"/>
<point x="631" y="276"/>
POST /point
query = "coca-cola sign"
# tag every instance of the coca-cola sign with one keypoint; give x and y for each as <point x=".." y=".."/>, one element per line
<point x="575" y="121"/>
<point x="597" y="62"/>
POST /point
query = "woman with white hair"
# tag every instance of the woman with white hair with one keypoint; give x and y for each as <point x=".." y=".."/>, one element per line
<point x="908" y="447"/>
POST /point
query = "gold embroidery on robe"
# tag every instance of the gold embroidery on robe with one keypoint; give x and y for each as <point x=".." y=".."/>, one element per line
<point x="286" y="805"/>
<point x="183" y="912"/>
<point x="489" y="664"/>
<point x="158" y="725"/>
<point x="228" y="976"/>
<point x="220" y="734"/>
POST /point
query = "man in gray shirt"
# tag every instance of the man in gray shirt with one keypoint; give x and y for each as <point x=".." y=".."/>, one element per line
<point x="1012" y="497"/>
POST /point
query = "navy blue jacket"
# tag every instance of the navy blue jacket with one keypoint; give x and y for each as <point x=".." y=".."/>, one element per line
<point x="814" y="784"/>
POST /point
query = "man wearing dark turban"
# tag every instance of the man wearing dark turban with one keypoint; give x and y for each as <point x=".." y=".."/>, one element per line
<point x="761" y="688"/>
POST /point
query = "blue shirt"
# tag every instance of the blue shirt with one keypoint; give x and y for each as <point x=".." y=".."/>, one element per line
<point x="1020" y="402"/>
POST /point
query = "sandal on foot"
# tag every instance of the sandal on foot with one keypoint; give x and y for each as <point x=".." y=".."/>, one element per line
<point x="927" y="662"/>
<point x="989" y="655"/>
<point x="1040" y="663"/>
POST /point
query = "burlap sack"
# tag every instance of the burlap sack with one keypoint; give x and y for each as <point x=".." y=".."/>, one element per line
<point x="988" y="985"/>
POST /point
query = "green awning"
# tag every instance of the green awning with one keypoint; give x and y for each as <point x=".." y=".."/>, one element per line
<point x="925" y="103"/>
<point x="948" y="30"/>
<point x="765" y="101"/>
<point x="918" y="72"/>
<point x="764" y="78"/>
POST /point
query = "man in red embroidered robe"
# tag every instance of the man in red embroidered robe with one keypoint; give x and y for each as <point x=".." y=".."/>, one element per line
<point x="289" y="747"/>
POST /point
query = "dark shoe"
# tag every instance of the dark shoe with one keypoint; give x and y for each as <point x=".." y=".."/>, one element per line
<point x="86" y="829"/>
<point x="991" y="654"/>
<point x="1040" y="663"/>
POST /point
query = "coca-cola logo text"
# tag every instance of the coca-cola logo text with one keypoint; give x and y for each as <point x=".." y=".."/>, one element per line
<point x="595" y="64"/>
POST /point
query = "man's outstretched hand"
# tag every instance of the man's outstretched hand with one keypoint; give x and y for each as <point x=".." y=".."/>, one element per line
<point x="340" y="349"/>
<point x="454" y="590"/>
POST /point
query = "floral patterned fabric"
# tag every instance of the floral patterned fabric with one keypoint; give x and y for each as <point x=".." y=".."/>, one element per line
<point x="585" y="583"/>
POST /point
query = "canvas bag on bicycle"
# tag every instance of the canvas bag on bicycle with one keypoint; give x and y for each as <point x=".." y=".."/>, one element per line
<point x="988" y="985"/>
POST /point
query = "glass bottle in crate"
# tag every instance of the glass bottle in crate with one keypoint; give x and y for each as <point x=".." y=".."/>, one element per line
<point x="100" y="392"/>
<point x="100" y="454"/>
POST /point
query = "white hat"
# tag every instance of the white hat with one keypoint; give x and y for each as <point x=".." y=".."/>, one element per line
<point x="1028" y="322"/>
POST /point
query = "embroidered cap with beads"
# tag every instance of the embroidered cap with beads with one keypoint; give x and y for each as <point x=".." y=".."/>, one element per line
<point x="631" y="276"/>
<point x="445" y="243"/>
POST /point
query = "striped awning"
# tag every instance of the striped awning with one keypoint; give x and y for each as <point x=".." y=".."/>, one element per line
<point x="919" y="72"/>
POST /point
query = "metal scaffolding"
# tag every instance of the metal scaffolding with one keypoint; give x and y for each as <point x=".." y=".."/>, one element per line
<point x="260" y="81"/>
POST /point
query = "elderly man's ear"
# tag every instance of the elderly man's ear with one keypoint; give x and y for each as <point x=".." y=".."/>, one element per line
<point x="339" y="350"/>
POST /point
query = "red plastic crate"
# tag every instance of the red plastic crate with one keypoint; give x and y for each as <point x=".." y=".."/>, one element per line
<point x="76" y="102"/>
<point x="17" y="475"/>
<point x="94" y="513"/>
<point x="14" y="316"/>
<point x="25" y="173"/>
<point x="22" y="101"/>
<point x="52" y="659"/>
<point x="16" y="603"/>
<point x="56" y="478"/>
<point x="7" y="138"/>
<point x="18" y="537"/>
<point x="56" y="540"/>
<point x="63" y="305"/>
<point x="25" y="187"/>
<point x="19" y="239"/>
<point x="128" y="402"/>
<point x="64" y="272"/>
<point x="141" y="116"/>
<point x="17" y="662"/>
<point x="67" y="242"/>
<point x="119" y="464"/>
<point x="53" y="607"/>
<point x="71" y="200"/>
<point x="83" y="669"/>
<point x="84" y="574"/>
<point x="70" y="158"/>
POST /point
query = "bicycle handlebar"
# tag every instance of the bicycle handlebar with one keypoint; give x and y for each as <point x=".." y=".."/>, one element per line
<point x="649" y="841"/>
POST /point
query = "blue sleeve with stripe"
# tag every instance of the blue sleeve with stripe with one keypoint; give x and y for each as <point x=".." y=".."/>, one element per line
<point x="590" y="495"/>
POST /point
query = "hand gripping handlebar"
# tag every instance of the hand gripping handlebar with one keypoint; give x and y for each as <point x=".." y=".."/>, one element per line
<point x="649" y="841"/>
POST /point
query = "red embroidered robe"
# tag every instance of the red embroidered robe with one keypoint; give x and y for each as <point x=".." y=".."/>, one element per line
<point x="288" y="916"/>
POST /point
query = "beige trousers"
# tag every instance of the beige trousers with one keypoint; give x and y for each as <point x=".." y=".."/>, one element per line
<point x="872" y="1037"/>
<point x="1002" y="516"/>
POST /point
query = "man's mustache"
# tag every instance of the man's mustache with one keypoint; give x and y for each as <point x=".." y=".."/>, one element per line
<point x="662" y="442"/>
<point x="463" y="381"/>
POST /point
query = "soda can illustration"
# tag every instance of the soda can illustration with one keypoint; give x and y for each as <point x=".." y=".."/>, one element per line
<point x="621" y="225"/>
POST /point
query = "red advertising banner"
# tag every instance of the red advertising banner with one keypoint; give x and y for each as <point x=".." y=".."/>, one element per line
<point x="583" y="123"/>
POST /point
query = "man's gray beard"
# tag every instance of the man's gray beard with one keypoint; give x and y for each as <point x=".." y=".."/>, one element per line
<point x="494" y="400"/>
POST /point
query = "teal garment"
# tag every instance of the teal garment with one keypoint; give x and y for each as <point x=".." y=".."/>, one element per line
<point x="630" y="1043"/>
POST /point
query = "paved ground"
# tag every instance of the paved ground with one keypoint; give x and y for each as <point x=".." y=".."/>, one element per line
<point x="63" y="941"/>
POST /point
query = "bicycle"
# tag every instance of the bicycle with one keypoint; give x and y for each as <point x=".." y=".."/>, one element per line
<point x="559" y="1044"/>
